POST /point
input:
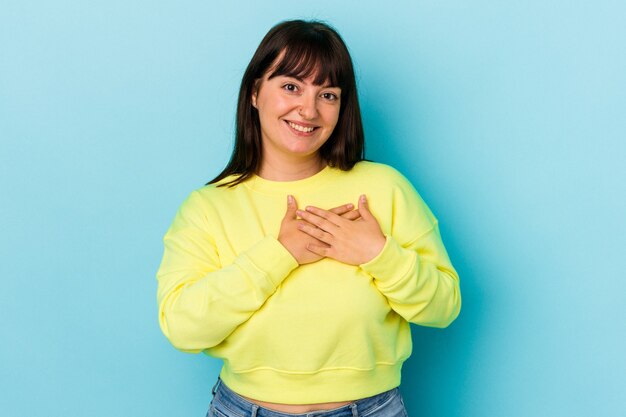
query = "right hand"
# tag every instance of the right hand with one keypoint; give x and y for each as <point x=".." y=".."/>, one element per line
<point x="296" y="241"/>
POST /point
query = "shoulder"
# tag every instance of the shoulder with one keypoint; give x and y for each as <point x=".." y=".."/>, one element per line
<point x="205" y="202"/>
<point x="406" y="202"/>
<point x="381" y="173"/>
<point x="216" y="192"/>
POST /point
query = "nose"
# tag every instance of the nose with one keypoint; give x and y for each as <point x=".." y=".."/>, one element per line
<point x="308" y="106"/>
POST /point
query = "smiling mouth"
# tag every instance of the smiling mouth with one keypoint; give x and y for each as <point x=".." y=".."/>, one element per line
<point x="300" y="128"/>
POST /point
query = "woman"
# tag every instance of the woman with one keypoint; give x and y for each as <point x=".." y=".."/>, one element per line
<point x="301" y="265"/>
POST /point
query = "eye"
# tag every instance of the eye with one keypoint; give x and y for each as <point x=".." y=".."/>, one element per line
<point x="330" y="96"/>
<point x="292" y="88"/>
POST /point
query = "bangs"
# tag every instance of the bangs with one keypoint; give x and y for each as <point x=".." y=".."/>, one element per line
<point x="310" y="57"/>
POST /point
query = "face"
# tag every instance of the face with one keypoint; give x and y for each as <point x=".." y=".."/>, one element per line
<point x="296" y="116"/>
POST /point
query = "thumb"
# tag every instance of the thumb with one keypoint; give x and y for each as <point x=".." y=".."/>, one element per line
<point x="292" y="206"/>
<point x="364" y="208"/>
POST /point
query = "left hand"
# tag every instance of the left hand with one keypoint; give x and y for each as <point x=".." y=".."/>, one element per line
<point x="353" y="242"/>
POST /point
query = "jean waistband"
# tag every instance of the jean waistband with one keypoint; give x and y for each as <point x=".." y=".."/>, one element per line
<point x="244" y="408"/>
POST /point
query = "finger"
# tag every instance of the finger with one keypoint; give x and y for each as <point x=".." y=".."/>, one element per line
<point x="342" y="209"/>
<point x="352" y="215"/>
<point x="292" y="207"/>
<point x="318" y="249"/>
<point x="325" y="214"/>
<point x="318" y="221"/>
<point x="313" y="231"/>
<point x="364" y="208"/>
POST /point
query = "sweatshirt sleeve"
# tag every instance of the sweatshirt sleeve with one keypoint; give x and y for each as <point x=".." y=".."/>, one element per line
<point x="201" y="301"/>
<point x="413" y="269"/>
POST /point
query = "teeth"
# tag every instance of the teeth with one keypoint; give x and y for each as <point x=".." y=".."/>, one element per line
<point x="301" y="128"/>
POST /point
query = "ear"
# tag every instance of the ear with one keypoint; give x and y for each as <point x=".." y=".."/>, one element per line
<point x="255" y="90"/>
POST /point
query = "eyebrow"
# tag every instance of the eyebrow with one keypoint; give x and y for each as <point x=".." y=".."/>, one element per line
<point x="297" y="77"/>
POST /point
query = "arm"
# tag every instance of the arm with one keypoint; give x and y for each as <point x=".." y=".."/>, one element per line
<point x="413" y="269"/>
<point x="409" y="263"/>
<point x="418" y="279"/>
<point x="200" y="301"/>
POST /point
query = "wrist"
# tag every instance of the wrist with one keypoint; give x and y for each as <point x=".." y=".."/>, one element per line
<point x="375" y="249"/>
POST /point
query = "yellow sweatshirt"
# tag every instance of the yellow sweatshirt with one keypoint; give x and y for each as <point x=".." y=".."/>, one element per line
<point x="320" y="332"/>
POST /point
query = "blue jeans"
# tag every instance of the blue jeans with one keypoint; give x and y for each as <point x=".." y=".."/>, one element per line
<point x="226" y="403"/>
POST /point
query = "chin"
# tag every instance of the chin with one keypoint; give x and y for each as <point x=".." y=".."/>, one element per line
<point x="302" y="149"/>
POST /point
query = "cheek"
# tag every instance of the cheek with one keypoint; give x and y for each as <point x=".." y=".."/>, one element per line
<point x="274" y="106"/>
<point x="332" y="117"/>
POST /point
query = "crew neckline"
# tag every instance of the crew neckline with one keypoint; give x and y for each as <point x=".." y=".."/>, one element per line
<point x="260" y="184"/>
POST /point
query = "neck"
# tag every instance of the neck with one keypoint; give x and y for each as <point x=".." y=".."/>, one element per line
<point x="277" y="169"/>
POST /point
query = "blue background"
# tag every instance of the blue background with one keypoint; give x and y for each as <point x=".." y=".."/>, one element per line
<point x="507" y="116"/>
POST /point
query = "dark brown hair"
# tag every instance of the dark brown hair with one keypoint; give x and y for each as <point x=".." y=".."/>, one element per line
<point x="310" y="48"/>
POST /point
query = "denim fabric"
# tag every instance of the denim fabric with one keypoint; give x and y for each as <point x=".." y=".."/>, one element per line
<point x="227" y="403"/>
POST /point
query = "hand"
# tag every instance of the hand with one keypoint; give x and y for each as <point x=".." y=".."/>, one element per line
<point x="350" y="242"/>
<point x="296" y="241"/>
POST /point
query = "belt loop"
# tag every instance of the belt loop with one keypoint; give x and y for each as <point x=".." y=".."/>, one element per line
<point x="214" y="390"/>
<point x="355" y="413"/>
<point x="255" y="408"/>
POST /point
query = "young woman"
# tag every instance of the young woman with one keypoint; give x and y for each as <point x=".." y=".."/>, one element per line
<point x="301" y="265"/>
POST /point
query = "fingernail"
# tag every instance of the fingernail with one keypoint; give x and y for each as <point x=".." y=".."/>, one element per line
<point x="290" y="199"/>
<point x="363" y="198"/>
<point x="299" y="212"/>
<point x="349" y="206"/>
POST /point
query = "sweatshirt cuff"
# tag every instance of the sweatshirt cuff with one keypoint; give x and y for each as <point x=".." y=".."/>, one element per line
<point x="390" y="263"/>
<point x="271" y="258"/>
